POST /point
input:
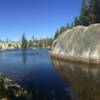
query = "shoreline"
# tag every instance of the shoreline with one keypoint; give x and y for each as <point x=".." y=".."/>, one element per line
<point x="22" y="48"/>
<point x="9" y="86"/>
<point x="73" y="58"/>
<point x="1" y="50"/>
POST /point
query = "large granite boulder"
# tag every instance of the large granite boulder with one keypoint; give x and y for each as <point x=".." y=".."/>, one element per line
<point x="79" y="41"/>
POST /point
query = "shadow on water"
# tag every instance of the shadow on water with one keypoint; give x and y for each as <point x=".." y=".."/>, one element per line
<point x="24" y="56"/>
<point x="83" y="78"/>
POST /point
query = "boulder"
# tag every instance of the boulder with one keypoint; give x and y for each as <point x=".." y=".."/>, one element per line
<point x="80" y="42"/>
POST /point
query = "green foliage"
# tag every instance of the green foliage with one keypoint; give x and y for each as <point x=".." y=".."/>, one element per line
<point x="56" y="34"/>
<point x="30" y="44"/>
<point x="94" y="11"/>
<point x="2" y="87"/>
<point x="84" y="8"/>
<point x="83" y="18"/>
<point x="76" y="21"/>
<point x="90" y="14"/>
<point x="62" y="29"/>
<point x="24" y="41"/>
<point x="9" y="45"/>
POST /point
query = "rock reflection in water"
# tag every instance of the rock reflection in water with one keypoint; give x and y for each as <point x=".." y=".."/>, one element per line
<point x="83" y="78"/>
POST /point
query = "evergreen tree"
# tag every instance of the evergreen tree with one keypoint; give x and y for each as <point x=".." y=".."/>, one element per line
<point x="62" y="29"/>
<point x="90" y="14"/>
<point x="97" y="11"/>
<point x="68" y="26"/>
<point x="56" y="34"/>
<point x="94" y="11"/>
<point x="84" y="14"/>
<point x="72" y="25"/>
<point x="24" y="41"/>
<point x="76" y="21"/>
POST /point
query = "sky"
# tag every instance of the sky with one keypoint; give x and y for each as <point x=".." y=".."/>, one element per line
<point x="38" y="18"/>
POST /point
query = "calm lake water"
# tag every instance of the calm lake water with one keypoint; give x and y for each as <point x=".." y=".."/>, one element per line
<point x="83" y="78"/>
<point x="35" y="66"/>
<point x="53" y="79"/>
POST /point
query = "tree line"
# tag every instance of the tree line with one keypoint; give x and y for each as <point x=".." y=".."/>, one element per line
<point x="34" y="43"/>
<point x="89" y="14"/>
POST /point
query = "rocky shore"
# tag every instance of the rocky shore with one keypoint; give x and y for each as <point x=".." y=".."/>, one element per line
<point x="10" y="89"/>
<point x="79" y="44"/>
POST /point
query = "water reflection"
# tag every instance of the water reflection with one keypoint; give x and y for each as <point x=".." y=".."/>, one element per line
<point x="35" y="67"/>
<point x="24" y="56"/>
<point x="83" y="78"/>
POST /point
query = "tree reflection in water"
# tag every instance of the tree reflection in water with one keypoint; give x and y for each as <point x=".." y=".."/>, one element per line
<point x="24" y="55"/>
<point x="84" y="78"/>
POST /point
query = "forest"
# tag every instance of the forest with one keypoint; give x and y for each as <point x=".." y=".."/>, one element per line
<point x="89" y="14"/>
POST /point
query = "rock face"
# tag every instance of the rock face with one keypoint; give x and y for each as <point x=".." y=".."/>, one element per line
<point x="79" y="41"/>
<point x="9" y="45"/>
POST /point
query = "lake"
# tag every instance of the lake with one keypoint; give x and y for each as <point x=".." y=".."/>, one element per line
<point x="35" y="67"/>
<point x="84" y="79"/>
<point x="51" y="78"/>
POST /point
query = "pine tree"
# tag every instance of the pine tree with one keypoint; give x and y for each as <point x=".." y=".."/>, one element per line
<point x="94" y="11"/>
<point x="68" y="26"/>
<point x="72" y="25"/>
<point x="56" y="34"/>
<point x="91" y="15"/>
<point x="24" y="41"/>
<point x="77" y="21"/>
<point x="97" y="11"/>
<point x="83" y="18"/>
<point x="62" y="29"/>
